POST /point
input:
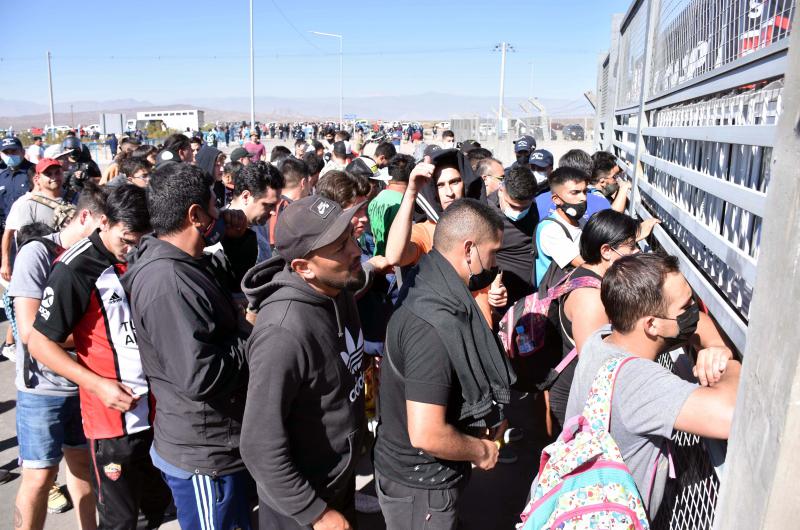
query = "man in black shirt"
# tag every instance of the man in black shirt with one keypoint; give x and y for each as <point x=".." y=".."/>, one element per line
<point x="256" y="192"/>
<point x="444" y="379"/>
<point x="514" y="200"/>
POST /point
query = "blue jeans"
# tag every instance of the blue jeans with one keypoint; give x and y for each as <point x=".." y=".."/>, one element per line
<point x="206" y="503"/>
<point x="45" y="425"/>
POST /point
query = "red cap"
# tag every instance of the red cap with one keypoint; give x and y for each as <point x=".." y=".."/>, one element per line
<point x="45" y="163"/>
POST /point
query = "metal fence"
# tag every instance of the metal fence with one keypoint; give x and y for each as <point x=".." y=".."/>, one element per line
<point x="690" y="92"/>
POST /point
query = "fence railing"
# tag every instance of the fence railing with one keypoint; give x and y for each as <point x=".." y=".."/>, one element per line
<point x="690" y="92"/>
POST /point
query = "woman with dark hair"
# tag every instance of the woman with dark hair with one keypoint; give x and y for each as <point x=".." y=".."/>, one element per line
<point x="607" y="236"/>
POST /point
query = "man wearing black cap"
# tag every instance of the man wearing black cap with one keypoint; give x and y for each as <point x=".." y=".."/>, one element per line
<point x="338" y="159"/>
<point x="240" y="155"/>
<point x="304" y="418"/>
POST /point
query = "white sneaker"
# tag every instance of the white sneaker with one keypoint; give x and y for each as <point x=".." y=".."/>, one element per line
<point x="10" y="352"/>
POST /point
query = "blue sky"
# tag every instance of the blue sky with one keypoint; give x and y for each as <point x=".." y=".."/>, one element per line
<point x="166" y="51"/>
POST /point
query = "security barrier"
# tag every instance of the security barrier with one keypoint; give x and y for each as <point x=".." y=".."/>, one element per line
<point x="690" y="93"/>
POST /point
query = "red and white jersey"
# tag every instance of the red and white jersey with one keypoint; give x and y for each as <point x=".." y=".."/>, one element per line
<point x="85" y="297"/>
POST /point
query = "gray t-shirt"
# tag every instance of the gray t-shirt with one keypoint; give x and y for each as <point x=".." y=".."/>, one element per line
<point x="25" y="211"/>
<point x="31" y="270"/>
<point x="646" y="402"/>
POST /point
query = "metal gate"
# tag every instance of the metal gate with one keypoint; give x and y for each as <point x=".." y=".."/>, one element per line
<point x="690" y="93"/>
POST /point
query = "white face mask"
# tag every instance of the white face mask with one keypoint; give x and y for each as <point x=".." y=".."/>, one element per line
<point x="540" y="176"/>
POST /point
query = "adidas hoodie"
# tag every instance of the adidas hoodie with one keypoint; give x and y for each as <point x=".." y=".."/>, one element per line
<point x="304" y="415"/>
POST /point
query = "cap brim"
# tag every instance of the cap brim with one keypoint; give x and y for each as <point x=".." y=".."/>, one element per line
<point x="333" y="232"/>
<point x="382" y="175"/>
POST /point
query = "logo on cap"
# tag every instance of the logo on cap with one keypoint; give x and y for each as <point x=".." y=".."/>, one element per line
<point x="538" y="156"/>
<point x="322" y="208"/>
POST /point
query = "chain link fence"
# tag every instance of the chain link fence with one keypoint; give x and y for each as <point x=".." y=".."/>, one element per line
<point x="689" y="95"/>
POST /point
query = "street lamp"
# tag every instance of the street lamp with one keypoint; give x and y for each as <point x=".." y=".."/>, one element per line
<point x="341" y="89"/>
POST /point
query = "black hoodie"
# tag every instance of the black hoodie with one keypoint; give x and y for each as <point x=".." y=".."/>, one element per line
<point x="304" y="419"/>
<point x="191" y="342"/>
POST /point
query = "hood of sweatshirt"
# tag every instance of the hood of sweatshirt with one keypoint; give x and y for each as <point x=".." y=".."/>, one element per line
<point x="151" y="249"/>
<point x="273" y="281"/>
<point x="428" y="206"/>
<point x="206" y="157"/>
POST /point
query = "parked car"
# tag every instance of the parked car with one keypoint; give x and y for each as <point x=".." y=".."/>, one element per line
<point x="573" y="132"/>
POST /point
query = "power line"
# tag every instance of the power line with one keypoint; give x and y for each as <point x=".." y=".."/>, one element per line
<point x="302" y="36"/>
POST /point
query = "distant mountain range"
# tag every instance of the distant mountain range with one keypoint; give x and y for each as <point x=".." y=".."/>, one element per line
<point x="427" y="106"/>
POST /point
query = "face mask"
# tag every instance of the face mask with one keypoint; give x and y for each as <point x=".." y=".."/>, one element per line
<point x="610" y="189"/>
<point x="541" y="176"/>
<point x="483" y="279"/>
<point x="522" y="159"/>
<point x="687" y="325"/>
<point x="515" y="215"/>
<point x="574" y="211"/>
<point x="214" y="232"/>
<point x="11" y="160"/>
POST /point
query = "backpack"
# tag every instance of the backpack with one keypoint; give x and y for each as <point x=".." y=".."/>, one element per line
<point x="583" y="481"/>
<point x="62" y="211"/>
<point x="523" y="329"/>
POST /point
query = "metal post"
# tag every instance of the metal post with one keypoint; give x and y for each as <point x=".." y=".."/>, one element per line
<point x="341" y="83"/>
<point x="50" y="86"/>
<point x="530" y="89"/>
<point x="252" y="75"/>
<point x="71" y="117"/>
<point x="649" y="29"/>
<point x="502" y="89"/>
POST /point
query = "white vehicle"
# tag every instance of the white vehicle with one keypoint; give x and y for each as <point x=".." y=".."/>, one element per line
<point x="57" y="129"/>
<point x="443" y="125"/>
<point x="95" y="127"/>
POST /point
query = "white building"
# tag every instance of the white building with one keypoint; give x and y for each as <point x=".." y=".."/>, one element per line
<point x="174" y="119"/>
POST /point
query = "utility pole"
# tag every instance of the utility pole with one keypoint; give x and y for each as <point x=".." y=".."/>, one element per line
<point x="503" y="47"/>
<point x="71" y="117"/>
<point x="530" y="89"/>
<point x="50" y="85"/>
<point x="252" y="75"/>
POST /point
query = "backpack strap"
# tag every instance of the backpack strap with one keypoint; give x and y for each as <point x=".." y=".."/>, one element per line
<point x="552" y="219"/>
<point x="598" y="405"/>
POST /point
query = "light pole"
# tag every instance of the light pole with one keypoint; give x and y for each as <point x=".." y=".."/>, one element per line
<point x="341" y="86"/>
<point x="50" y="89"/>
<point x="252" y="76"/>
<point x="503" y="47"/>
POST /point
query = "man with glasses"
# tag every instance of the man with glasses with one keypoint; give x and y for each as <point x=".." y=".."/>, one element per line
<point x="491" y="171"/>
<point x="134" y="171"/>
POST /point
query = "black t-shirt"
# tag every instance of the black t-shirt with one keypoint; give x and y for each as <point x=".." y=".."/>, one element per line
<point x="427" y="377"/>
<point x="559" y="392"/>
<point x="516" y="255"/>
<point x="242" y="253"/>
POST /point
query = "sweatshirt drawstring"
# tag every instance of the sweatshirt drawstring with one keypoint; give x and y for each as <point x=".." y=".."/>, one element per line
<point x="338" y="322"/>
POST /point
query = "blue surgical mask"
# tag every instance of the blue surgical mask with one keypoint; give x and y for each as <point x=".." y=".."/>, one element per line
<point x="516" y="215"/>
<point x="11" y="160"/>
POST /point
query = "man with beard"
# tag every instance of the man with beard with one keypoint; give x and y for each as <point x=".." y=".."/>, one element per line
<point x="304" y="415"/>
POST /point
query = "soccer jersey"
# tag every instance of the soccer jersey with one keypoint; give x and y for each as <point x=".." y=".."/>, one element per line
<point x="84" y="297"/>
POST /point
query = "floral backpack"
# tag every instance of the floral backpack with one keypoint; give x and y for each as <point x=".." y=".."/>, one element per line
<point x="583" y="483"/>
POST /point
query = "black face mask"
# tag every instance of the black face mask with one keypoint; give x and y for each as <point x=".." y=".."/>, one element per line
<point x="687" y="325"/>
<point x="523" y="159"/>
<point x="574" y="211"/>
<point x="610" y="189"/>
<point x="483" y="279"/>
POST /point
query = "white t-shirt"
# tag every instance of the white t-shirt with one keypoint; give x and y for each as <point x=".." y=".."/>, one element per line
<point x="34" y="152"/>
<point x="555" y="243"/>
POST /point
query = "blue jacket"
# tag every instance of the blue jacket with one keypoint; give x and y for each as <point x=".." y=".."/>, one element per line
<point x="14" y="183"/>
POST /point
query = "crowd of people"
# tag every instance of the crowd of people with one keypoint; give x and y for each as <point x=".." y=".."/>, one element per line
<point x="214" y="332"/>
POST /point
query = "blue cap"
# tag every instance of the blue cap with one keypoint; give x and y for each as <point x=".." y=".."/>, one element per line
<point x="10" y="143"/>
<point x="541" y="158"/>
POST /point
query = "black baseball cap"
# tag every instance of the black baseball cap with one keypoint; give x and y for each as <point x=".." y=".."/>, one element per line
<point x="431" y="150"/>
<point x="239" y="153"/>
<point x="468" y="145"/>
<point x="309" y="224"/>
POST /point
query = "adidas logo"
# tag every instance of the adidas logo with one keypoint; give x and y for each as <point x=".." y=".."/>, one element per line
<point x="355" y="351"/>
<point x="114" y="298"/>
